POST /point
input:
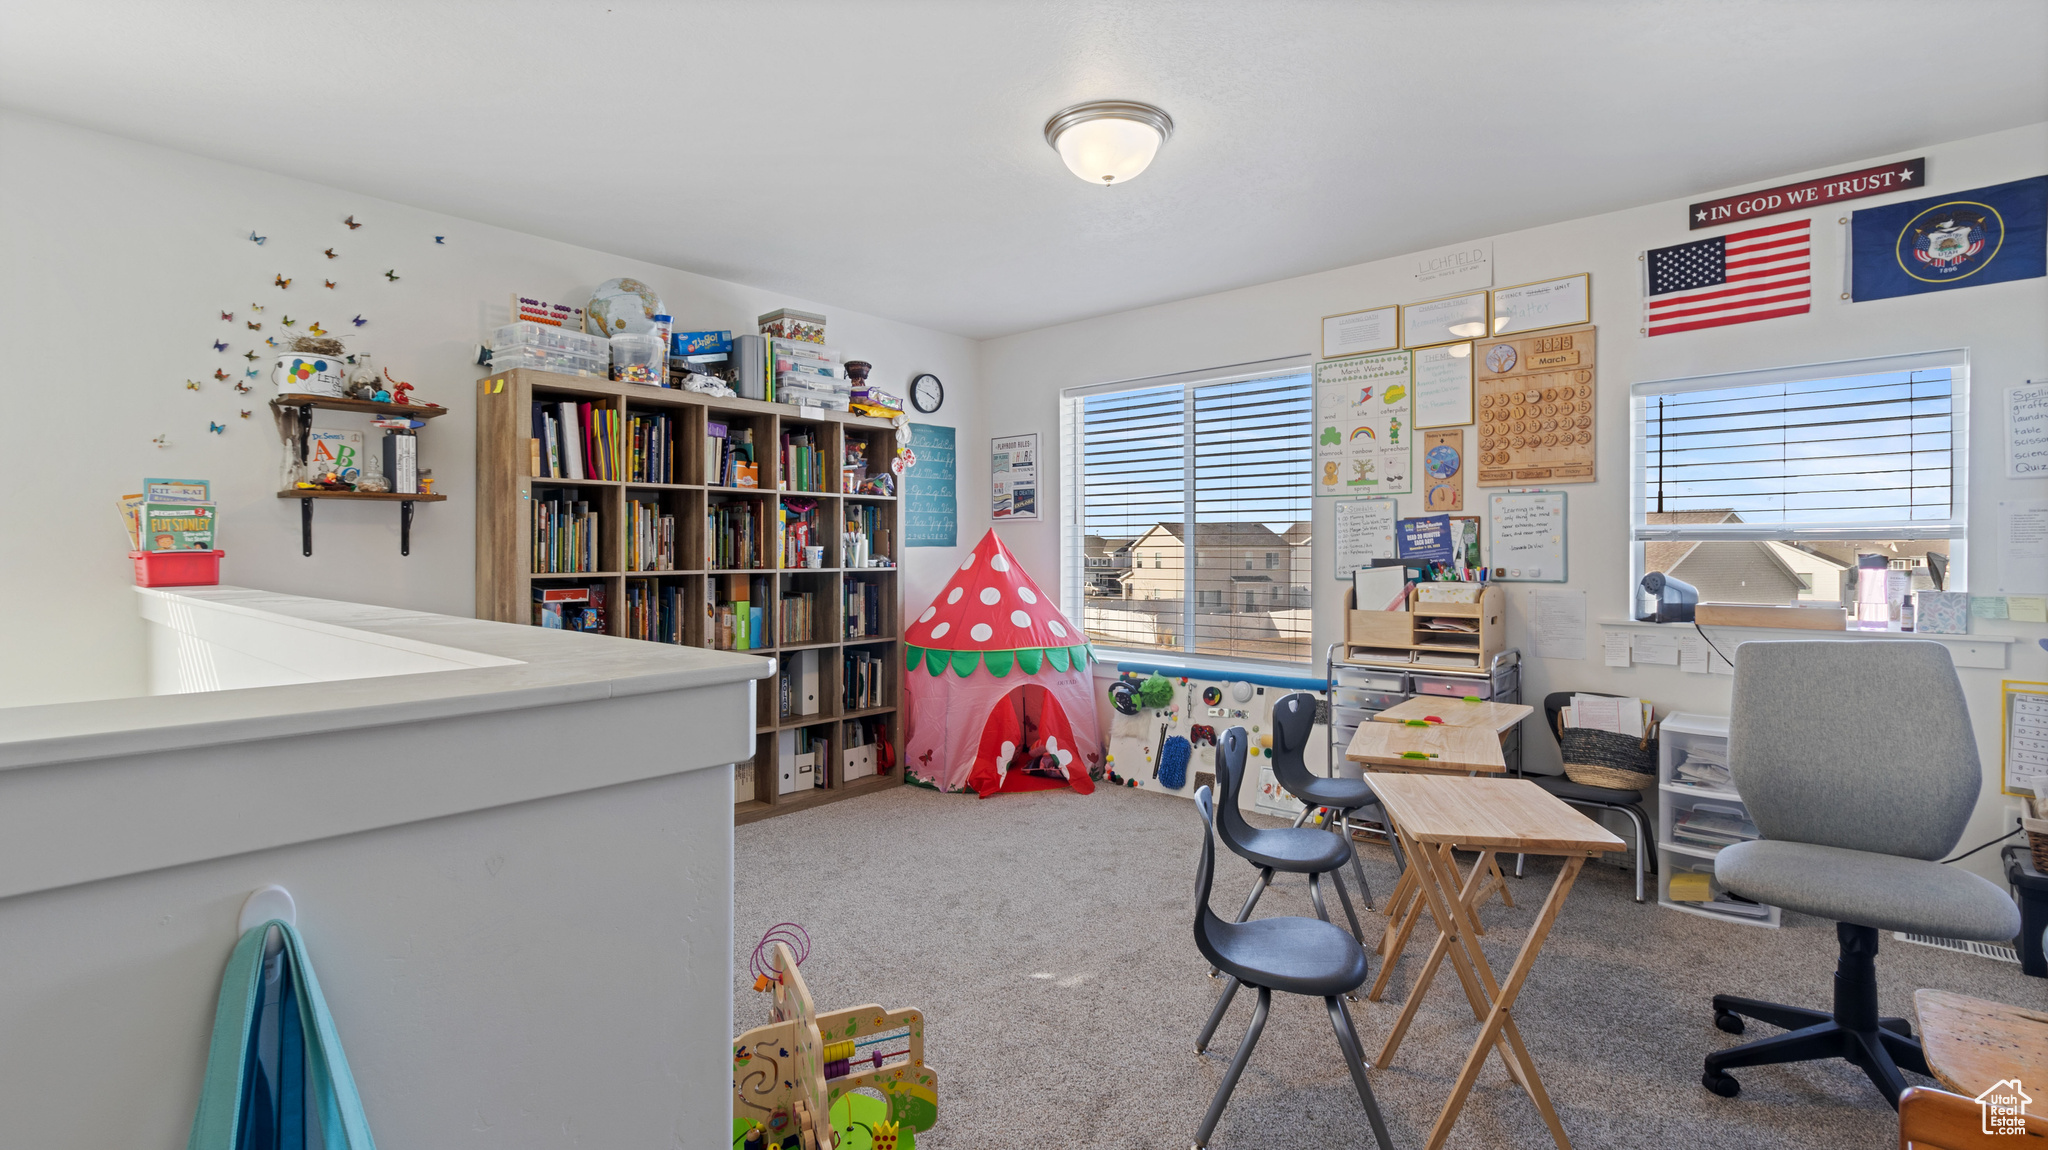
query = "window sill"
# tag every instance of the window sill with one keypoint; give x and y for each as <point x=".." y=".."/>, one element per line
<point x="1204" y="666"/>
<point x="1967" y="650"/>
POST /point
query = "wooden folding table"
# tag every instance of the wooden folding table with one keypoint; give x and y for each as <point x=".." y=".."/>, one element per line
<point x="1499" y="717"/>
<point x="1436" y="814"/>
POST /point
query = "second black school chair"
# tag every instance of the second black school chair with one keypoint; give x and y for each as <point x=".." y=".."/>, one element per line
<point x="1293" y="718"/>
<point x="1312" y="851"/>
<point x="1291" y="955"/>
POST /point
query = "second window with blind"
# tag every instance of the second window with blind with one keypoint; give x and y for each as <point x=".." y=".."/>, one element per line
<point x="1187" y="514"/>
<point x="1772" y="486"/>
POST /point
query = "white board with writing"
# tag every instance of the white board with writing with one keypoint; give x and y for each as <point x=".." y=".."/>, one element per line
<point x="1552" y="303"/>
<point x="1443" y="386"/>
<point x="2026" y="431"/>
<point x="1365" y="532"/>
<point x="1526" y="536"/>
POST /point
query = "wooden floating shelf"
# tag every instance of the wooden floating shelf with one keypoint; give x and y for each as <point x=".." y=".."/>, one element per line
<point x="364" y="406"/>
<point x="387" y="496"/>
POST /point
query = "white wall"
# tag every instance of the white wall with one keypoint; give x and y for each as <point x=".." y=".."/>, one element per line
<point x="2001" y="325"/>
<point x="116" y="259"/>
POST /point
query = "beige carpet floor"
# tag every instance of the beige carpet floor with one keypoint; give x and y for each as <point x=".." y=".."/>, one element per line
<point x="1047" y="938"/>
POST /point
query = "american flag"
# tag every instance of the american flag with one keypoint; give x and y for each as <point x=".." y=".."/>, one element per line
<point x="1761" y="273"/>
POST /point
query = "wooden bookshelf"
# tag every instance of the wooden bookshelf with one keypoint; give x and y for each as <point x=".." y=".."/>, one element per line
<point x="505" y="579"/>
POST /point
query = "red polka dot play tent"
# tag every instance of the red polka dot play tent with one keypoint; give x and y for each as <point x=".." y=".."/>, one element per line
<point x="1000" y="694"/>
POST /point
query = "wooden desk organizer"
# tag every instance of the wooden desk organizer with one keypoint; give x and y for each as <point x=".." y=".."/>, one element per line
<point x="1402" y="637"/>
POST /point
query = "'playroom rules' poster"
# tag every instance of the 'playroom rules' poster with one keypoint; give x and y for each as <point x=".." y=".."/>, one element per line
<point x="1364" y="425"/>
<point x="930" y="515"/>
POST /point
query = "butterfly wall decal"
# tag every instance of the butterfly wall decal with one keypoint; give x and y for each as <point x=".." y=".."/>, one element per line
<point x="251" y="356"/>
<point x="282" y="281"/>
<point x="359" y="321"/>
<point x="227" y="317"/>
<point x="253" y="325"/>
<point x="219" y="346"/>
<point x="220" y="375"/>
<point x="255" y="307"/>
<point x="440" y="239"/>
<point x="352" y="224"/>
<point x="271" y="340"/>
<point x="316" y="329"/>
<point x="329" y="283"/>
<point x="330" y="254"/>
<point x="243" y="388"/>
<point x="160" y="440"/>
<point x="191" y="385"/>
<point x="256" y="239"/>
<point x="392" y="275"/>
<point x="245" y="414"/>
<point x="288" y="322"/>
<point x="216" y="428"/>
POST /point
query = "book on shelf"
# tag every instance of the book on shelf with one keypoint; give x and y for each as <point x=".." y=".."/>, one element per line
<point x="650" y="443"/>
<point x="654" y="611"/>
<point x="569" y="608"/>
<point x="650" y="537"/>
<point x="865" y="523"/>
<point x="865" y="680"/>
<point x="862" y="608"/>
<point x="737" y="535"/>
<point x="798" y="617"/>
<point x="800" y="530"/>
<point x="565" y="532"/>
<point x="802" y="463"/>
<point x="729" y="455"/>
<point x="738" y="612"/>
<point x="402" y="462"/>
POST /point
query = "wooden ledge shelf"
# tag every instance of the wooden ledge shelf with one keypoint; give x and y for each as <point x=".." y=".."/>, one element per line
<point x="306" y="496"/>
<point x="363" y="406"/>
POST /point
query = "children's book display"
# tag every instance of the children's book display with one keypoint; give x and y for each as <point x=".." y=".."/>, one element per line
<point x="802" y="1081"/>
<point x="171" y="525"/>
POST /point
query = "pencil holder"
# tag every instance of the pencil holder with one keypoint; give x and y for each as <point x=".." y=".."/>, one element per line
<point x="1606" y="759"/>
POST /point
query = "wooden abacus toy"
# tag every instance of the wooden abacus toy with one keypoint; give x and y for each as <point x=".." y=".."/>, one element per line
<point x="849" y="1080"/>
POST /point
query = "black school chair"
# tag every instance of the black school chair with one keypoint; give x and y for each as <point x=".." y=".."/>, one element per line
<point x="1629" y="803"/>
<point x="1293" y="716"/>
<point x="1292" y="955"/>
<point x="1312" y="851"/>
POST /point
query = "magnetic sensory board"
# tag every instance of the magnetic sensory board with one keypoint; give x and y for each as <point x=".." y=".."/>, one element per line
<point x="1200" y="710"/>
<point x="1536" y="408"/>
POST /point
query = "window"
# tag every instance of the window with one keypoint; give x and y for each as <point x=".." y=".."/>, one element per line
<point x="1212" y="472"/>
<point x="1765" y="486"/>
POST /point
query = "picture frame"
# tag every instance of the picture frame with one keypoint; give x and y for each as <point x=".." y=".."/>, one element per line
<point x="1566" y="301"/>
<point x="1452" y="319"/>
<point x="1527" y="536"/>
<point x="1363" y="331"/>
<point x="1441" y="379"/>
<point x="1013" y="478"/>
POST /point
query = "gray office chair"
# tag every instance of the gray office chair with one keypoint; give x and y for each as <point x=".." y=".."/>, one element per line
<point x="1858" y="765"/>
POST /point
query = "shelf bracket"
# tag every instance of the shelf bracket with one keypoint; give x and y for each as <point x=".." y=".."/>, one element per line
<point x="405" y="527"/>
<point x="306" y="526"/>
<point x="306" y="445"/>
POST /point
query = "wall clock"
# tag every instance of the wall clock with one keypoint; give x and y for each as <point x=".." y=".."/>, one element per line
<point x="927" y="393"/>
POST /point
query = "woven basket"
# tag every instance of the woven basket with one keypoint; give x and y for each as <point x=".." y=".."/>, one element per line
<point x="2037" y="840"/>
<point x="1606" y="759"/>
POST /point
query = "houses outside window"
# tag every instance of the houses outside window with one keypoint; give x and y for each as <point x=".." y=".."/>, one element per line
<point x="1766" y="486"/>
<point x="1208" y="474"/>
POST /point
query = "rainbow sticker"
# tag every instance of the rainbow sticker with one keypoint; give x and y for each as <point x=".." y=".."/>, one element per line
<point x="1365" y="432"/>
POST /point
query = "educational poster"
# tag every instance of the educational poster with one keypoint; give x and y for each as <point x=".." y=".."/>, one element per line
<point x="1365" y="425"/>
<point x="1425" y="539"/>
<point x="1443" y="386"/>
<point x="1365" y="532"/>
<point x="2026" y="736"/>
<point x="1528" y="536"/>
<point x="1358" y="332"/>
<point x="1013" y="475"/>
<point x="1443" y="470"/>
<point x="2026" y="431"/>
<point x="1536" y="408"/>
<point x="930" y="514"/>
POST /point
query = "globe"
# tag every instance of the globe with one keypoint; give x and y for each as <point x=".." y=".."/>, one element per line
<point x="622" y="305"/>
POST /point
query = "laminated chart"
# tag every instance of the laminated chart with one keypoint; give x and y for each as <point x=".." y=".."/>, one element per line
<point x="1365" y="425"/>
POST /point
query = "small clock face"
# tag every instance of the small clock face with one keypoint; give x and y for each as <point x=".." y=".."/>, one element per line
<point x="927" y="393"/>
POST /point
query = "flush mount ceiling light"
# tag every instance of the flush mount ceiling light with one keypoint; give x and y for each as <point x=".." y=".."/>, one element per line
<point x="1108" y="141"/>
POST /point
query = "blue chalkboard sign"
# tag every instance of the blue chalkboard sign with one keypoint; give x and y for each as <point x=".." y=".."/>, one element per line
<point x="931" y="513"/>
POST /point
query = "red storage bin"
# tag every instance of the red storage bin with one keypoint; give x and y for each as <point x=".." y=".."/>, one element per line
<point x="176" y="568"/>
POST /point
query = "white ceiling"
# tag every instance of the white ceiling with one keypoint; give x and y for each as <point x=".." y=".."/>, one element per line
<point x="886" y="155"/>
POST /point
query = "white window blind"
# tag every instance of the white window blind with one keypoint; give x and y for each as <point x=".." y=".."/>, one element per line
<point x="1187" y="522"/>
<point x="1863" y="449"/>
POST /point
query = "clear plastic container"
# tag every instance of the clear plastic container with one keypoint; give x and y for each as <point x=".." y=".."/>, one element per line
<point x="1375" y="680"/>
<point x="1359" y="699"/>
<point x="527" y="334"/>
<point x="1453" y="686"/>
<point x="638" y="357"/>
<point x="1707" y="824"/>
<point x="550" y="359"/>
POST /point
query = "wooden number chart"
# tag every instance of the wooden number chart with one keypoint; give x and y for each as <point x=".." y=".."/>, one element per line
<point x="1536" y="404"/>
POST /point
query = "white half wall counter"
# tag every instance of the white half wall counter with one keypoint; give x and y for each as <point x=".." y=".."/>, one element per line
<point x="511" y="850"/>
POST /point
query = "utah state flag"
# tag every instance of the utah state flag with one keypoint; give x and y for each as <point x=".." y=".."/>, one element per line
<point x="1983" y="236"/>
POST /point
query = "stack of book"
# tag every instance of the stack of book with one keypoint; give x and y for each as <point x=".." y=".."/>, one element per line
<point x="564" y="532"/>
<point x="863" y="609"/>
<point x="738" y="613"/>
<point x="800" y="530"/>
<point x="797" y="618"/>
<point x="729" y="455"/>
<point x="808" y="374"/>
<point x="650" y="448"/>
<point x="650" y="537"/>
<point x="170" y="515"/>
<point x="736" y="535"/>
<point x="866" y="675"/>
<point x="1713" y="825"/>
<point x="577" y="441"/>
<point x="654" y="612"/>
<point x="803" y="465"/>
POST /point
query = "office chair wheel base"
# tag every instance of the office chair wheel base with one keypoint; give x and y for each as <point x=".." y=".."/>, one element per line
<point x="1730" y="1022"/>
<point x="1721" y="1084"/>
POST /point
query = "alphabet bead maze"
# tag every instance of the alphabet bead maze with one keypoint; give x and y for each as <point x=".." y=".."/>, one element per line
<point x="848" y="1080"/>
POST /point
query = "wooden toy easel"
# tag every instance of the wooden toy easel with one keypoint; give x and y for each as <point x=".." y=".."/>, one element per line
<point x="787" y="1075"/>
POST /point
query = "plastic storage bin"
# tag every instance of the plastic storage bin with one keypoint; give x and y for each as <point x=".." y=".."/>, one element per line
<point x="542" y="347"/>
<point x="1692" y="755"/>
<point x="1722" y="904"/>
<point x="1453" y="686"/>
<point x="176" y="568"/>
<point x="1703" y="823"/>
<point x="637" y="357"/>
